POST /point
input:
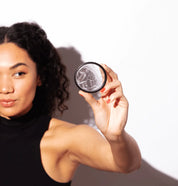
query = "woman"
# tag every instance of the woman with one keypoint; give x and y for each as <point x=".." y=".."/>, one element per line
<point x="36" y="148"/>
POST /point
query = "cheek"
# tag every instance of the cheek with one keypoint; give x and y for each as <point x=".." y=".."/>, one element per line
<point x="26" y="89"/>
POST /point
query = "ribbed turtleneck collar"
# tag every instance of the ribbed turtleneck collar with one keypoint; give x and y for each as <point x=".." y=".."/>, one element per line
<point x="19" y="122"/>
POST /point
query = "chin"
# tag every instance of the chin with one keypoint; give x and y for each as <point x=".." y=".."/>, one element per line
<point x="9" y="113"/>
<point x="15" y="111"/>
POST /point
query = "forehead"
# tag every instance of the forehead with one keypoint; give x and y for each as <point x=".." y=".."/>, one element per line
<point x="11" y="54"/>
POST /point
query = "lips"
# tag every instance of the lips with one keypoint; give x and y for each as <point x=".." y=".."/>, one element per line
<point x="7" y="102"/>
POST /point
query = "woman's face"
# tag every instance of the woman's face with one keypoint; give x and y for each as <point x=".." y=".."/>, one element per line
<point x="18" y="81"/>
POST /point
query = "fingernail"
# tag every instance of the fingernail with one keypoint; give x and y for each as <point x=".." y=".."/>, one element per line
<point x="108" y="101"/>
<point x="102" y="90"/>
<point x="81" y="94"/>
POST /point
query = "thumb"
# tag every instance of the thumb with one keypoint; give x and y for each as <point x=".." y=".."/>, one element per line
<point x="89" y="99"/>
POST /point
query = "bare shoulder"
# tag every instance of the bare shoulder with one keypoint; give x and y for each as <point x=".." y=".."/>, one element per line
<point x="66" y="133"/>
<point x="58" y="131"/>
<point x="62" y="128"/>
<point x="56" y="147"/>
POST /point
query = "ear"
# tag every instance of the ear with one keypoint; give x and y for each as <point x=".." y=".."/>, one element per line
<point x="39" y="81"/>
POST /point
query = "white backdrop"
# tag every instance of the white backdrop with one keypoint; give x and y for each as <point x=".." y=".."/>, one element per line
<point x="139" y="40"/>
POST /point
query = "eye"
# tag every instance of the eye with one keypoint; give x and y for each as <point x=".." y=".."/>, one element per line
<point x="19" y="74"/>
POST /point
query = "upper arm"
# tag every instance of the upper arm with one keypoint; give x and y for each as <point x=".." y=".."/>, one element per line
<point x="89" y="147"/>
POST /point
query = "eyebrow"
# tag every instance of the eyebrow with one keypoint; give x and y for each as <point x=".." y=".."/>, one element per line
<point x="17" y="65"/>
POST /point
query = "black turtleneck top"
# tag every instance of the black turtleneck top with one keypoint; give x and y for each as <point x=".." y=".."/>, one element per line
<point x="20" y="160"/>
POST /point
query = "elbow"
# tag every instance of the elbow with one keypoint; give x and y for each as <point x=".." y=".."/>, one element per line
<point x="130" y="167"/>
<point x="134" y="164"/>
<point x="127" y="170"/>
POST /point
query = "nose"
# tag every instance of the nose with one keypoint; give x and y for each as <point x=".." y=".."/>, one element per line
<point x="6" y="86"/>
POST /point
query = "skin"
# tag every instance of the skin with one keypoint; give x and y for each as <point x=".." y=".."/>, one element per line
<point x="18" y="81"/>
<point x="65" y="145"/>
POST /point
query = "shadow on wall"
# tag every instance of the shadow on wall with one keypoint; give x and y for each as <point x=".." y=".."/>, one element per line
<point x="80" y="112"/>
<point x="145" y="176"/>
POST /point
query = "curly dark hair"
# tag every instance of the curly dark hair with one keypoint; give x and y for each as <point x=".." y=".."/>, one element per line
<point x="54" y="89"/>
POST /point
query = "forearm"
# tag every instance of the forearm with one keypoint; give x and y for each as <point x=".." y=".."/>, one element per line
<point x="126" y="153"/>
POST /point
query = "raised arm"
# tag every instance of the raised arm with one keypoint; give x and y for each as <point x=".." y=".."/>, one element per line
<point x="117" y="151"/>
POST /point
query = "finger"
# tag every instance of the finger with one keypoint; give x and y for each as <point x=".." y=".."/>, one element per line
<point x="111" y="87"/>
<point x="111" y="75"/>
<point x="89" y="99"/>
<point x="116" y="96"/>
